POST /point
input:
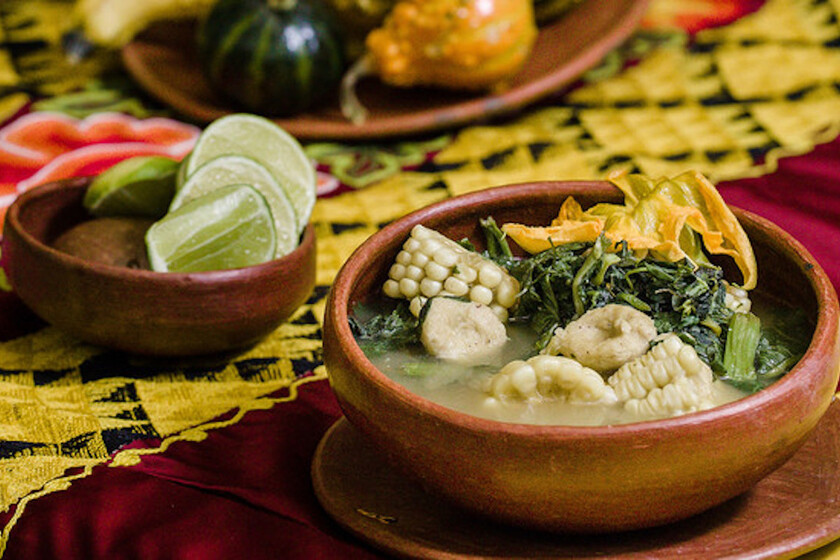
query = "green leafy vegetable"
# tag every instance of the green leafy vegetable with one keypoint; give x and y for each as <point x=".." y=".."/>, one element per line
<point x="776" y="352"/>
<point x="562" y="283"/>
<point x="741" y="346"/>
<point x="384" y="332"/>
<point x="419" y="369"/>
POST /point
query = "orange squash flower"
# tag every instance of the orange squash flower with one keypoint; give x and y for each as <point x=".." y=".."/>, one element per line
<point x="671" y="219"/>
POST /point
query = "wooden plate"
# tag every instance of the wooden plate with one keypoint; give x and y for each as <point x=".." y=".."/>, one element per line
<point x="794" y="510"/>
<point x="163" y="62"/>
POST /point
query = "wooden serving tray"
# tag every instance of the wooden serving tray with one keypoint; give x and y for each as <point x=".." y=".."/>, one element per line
<point x="794" y="510"/>
<point x="163" y="61"/>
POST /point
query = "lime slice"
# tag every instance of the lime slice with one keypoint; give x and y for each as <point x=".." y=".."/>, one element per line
<point x="138" y="186"/>
<point x="229" y="170"/>
<point x="181" y="175"/>
<point x="230" y="227"/>
<point x="261" y="139"/>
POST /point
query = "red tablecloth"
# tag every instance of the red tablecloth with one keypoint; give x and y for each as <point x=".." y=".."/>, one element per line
<point x="244" y="492"/>
<point x="803" y="197"/>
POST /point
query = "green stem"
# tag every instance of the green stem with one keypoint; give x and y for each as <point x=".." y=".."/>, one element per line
<point x="741" y="345"/>
<point x="351" y="107"/>
<point x="585" y="271"/>
<point x="497" y="245"/>
<point x="282" y="5"/>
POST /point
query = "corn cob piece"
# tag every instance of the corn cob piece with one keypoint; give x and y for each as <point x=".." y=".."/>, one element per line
<point x="430" y="265"/>
<point x="737" y="299"/>
<point x="550" y="377"/>
<point x="668" y="380"/>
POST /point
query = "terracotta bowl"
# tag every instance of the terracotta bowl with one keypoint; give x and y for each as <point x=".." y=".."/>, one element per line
<point x="140" y="311"/>
<point x="581" y="479"/>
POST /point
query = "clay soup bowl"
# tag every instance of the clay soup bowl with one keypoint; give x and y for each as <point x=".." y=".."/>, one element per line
<point x="140" y="311"/>
<point x="582" y="479"/>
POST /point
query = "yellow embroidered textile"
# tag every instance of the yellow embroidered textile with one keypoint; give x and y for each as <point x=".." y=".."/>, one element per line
<point x="705" y="105"/>
<point x="67" y="404"/>
<point x="43" y="66"/>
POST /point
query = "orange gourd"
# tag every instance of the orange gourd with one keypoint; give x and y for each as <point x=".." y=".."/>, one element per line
<point x="454" y="44"/>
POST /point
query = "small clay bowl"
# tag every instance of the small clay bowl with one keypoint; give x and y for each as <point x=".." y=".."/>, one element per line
<point x="140" y="311"/>
<point x="581" y="479"/>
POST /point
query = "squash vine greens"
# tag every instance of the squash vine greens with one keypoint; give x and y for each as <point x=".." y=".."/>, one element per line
<point x="383" y="332"/>
<point x="563" y="282"/>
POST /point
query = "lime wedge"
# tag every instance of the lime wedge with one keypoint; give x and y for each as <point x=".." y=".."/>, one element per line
<point x="261" y="139"/>
<point x="230" y="227"/>
<point x="181" y="175"/>
<point x="138" y="186"/>
<point x="230" y="170"/>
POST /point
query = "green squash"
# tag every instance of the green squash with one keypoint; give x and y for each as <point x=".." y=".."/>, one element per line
<point x="273" y="57"/>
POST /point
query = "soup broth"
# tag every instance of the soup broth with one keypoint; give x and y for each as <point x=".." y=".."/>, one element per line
<point x="461" y="388"/>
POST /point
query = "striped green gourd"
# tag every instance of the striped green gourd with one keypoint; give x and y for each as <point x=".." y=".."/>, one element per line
<point x="273" y="57"/>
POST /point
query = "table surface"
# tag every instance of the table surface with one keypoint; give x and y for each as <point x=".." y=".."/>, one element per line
<point x="105" y="455"/>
